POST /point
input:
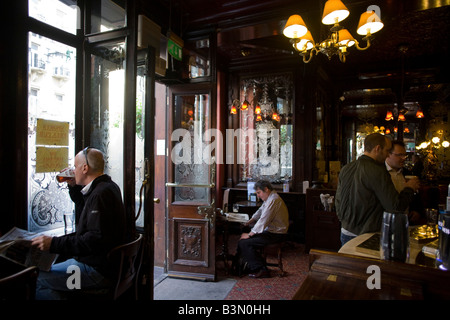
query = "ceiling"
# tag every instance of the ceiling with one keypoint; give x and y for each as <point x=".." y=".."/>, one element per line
<point x="406" y="62"/>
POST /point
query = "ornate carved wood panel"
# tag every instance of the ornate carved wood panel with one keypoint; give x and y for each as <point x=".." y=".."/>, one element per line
<point x="191" y="242"/>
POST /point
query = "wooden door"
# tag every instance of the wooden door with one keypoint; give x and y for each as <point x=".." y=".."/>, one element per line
<point x="190" y="186"/>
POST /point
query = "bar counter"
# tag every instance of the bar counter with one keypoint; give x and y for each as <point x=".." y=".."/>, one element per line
<point x="353" y="275"/>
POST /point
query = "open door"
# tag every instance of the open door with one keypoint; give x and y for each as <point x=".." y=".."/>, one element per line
<point x="144" y="159"/>
<point x="190" y="186"/>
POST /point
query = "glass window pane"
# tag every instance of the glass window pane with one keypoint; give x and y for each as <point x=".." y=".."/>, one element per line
<point x="107" y="15"/>
<point x="61" y="14"/>
<point x="107" y="106"/>
<point x="51" y="96"/>
<point x="199" y="58"/>
<point x="192" y="120"/>
<point x="140" y="139"/>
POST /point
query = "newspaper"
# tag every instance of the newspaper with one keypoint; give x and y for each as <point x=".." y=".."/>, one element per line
<point x="237" y="217"/>
<point x="16" y="246"/>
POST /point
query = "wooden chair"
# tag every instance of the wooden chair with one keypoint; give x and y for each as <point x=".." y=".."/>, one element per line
<point x="20" y="285"/>
<point x="128" y="259"/>
<point x="275" y="249"/>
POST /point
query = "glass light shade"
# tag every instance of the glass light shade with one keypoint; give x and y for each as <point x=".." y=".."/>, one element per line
<point x="345" y="38"/>
<point x="258" y="117"/>
<point x="389" y="116"/>
<point x="334" y="11"/>
<point x="244" y="105"/>
<point x="401" y="117"/>
<point x="295" y="27"/>
<point x="435" y="140"/>
<point x="233" y="110"/>
<point x="257" y="109"/>
<point x="445" y="144"/>
<point x="419" y="114"/>
<point x="306" y="42"/>
<point x="369" y="22"/>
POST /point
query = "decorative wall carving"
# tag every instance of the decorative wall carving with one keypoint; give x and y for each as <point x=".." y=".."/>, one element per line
<point x="191" y="240"/>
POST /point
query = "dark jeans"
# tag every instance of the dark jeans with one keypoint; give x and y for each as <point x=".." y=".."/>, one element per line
<point x="248" y="248"/>
<point x="345" y="238"/>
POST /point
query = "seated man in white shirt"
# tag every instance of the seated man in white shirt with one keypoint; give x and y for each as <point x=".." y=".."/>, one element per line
<point x="271" y="226"/>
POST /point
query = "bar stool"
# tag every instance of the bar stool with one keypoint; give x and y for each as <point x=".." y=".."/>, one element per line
<point x="276" y="250"/>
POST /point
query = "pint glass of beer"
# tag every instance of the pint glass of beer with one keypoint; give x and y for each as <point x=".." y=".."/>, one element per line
<point x="66" y="174"/>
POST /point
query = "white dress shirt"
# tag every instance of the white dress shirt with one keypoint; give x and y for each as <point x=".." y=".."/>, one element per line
<point x="397" y="177"/>
<point x="272" y="216"/>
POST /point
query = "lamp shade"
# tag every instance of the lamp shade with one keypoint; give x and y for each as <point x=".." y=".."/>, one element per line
<point x="306" y="42"/>
<point x="334" y="11"/>
<point x="419" y="114"/>
<point x="401" y="117"/>
<point x="295" y="27"/>
<point x="345" y="38"/>
<point x="244" y="105"/>
<point x="389" y="116"/>
<point x="369" y="23"/>
<point x="233" y="110"/>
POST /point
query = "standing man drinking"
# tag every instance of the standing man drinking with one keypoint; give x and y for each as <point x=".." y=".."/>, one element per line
<point x="395" y="163"/>
<point x="365" y="190"/>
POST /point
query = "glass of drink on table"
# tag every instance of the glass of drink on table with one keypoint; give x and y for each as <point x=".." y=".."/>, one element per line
<point x="66" y="174"/>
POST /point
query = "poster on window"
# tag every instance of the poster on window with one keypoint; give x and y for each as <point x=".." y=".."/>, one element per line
<point x="51" y="159"/>
<point x="52" y="133"/>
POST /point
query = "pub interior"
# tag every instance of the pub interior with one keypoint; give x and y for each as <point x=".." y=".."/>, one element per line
<point x="192" y="101"/>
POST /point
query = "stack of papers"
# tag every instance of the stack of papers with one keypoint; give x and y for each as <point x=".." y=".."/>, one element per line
<point x="237" y="217"/>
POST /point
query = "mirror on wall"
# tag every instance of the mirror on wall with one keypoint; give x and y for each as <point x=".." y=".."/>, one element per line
<point x="265" y="132"/>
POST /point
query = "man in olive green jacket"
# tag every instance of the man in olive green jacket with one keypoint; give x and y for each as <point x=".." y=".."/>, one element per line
<point x="365" y="190"/>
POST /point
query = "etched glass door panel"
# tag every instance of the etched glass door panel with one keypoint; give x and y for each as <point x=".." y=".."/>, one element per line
<point x="51" y="127"/>
<point x="107" y="106"/>
<point x="191" y="163"/>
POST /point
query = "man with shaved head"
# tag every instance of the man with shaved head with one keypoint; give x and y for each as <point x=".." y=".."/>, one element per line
<point x="101" y="224"/>
<point x="365" y="190"/>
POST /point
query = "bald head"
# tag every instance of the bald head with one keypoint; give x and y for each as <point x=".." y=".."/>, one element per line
<point x="89" y="164"/>
<point x="95" y="160"/>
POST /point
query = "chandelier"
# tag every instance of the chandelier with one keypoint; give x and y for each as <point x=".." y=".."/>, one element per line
<point x="340" y="38"/>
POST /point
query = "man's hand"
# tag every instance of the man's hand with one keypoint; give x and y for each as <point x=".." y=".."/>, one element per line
<point x="42" y="242"/>
<point x="249" y="223"/>
<point x="246" y="235"/>
<point x="413" y="183"/>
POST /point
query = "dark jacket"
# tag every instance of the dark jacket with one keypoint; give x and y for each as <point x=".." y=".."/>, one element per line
<point x="100" y="226"/>
<point x="365" y="190"/>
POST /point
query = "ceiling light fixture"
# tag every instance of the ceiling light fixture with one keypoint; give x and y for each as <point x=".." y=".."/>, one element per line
<point x="340" y="38"/>
<point x="389" y="116"/>
<point x="419" y="113"/>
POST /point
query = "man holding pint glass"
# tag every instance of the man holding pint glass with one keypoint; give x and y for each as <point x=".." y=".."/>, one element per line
<point x="365" y="190"/>
<point x="101" y="224"/>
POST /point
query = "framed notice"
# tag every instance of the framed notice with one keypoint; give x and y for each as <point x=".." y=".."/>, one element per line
<point x="53" y="133"/>
<point x="51" y="159"/>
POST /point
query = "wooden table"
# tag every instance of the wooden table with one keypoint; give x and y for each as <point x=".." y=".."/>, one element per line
<point x="348" y="274"/>
<point x="350" y="248"/>
<point x="342" y="276"/>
